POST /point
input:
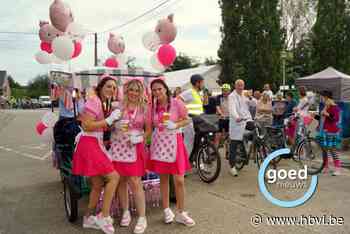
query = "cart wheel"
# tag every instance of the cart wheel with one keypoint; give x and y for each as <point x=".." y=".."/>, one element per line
<point x="172" y="195"/>
<point x="70" y="203"/>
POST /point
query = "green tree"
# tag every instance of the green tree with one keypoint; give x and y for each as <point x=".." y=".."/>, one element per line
<point x="251" y="41"/>
<point x="210" y="61"/>
<point x="331" y="36"/>
<point x="13" y="83"/>
<point x="39" y="86"/>
<point x="183" y="61"/>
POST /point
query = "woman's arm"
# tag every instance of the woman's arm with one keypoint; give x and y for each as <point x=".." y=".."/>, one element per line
<point x="182" y="122"/>
<point x="89" y="123"/>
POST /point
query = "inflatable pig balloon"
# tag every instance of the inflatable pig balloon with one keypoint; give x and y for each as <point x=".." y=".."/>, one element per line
<point x="164" y="33"/>
<point x="48" y="32"/>
<point x="166" y="30"/>
<point x="60" y="15"/>
<point x="116" y="44"/>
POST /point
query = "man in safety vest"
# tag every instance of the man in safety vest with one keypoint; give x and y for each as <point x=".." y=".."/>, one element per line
<point x="194" y="105"/>
<point x="192" y="98"/>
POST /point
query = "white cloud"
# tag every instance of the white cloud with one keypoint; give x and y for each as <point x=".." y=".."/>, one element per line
<point x="198" y="23"/>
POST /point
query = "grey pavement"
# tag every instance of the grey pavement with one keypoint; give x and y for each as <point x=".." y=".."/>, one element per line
<point x="32" y="200"/>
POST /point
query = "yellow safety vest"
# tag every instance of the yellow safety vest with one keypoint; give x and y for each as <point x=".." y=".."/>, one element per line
<point x="196" y="106"/>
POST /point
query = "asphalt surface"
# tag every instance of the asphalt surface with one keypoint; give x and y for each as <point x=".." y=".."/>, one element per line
<point x="31" y="198"/>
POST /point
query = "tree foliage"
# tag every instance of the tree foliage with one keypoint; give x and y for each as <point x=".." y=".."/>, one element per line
<point x="251" y="42"/>
<point x="183" y="61"/>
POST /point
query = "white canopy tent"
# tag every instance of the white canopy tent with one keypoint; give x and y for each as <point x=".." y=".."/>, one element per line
<point x="181" y="78"/>
<point x="328" y="79"/>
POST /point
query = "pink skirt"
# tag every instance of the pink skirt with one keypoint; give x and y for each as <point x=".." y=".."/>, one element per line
<point x="134" y="168"/>
<point x="90" y="159"/>
<point x="179" y="167"/>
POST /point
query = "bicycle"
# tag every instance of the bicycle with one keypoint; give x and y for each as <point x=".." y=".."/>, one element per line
<point x="204" y="156"/>
<point x="306" y="150"/>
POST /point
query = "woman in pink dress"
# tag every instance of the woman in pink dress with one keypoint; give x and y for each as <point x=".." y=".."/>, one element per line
<point x="128" y="152"/>
<point x="91" y="159"/>
<point x="168" y="155"/>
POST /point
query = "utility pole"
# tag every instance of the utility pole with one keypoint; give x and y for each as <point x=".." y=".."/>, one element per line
<point x="96" y="58"/>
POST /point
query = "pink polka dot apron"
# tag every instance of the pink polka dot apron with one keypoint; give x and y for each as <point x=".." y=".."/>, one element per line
<point x="122" y="149"/>
<point x="164" y="143"/>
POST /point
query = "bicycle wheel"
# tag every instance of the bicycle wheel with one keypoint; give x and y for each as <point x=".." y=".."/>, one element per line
<point x="310" y="153"/>
<point x="208" y="163"/>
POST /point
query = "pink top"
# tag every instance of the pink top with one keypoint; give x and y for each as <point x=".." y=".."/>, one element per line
<point x="177" y="111"/>
<point x="93" y="107"/>
<point x="136" y="117"/>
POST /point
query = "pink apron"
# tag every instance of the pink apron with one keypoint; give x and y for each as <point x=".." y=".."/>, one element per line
<point x="164" y="145"/>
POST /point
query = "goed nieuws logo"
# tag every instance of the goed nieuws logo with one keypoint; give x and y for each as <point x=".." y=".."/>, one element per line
<point x="282" y="174"/>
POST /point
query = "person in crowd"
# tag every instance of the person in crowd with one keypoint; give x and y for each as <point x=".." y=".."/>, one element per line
<point x="252" y="102"/>
<point x="168" y="155"/>
<point x="194" y="104"/>
<point x="264" y="112"/>
<point x="279" y="108"/>
<point x="290" y="105"/>
<point x="128" y="152"/>
<point x="177" y="92"/>
<point x="92" y="160"/>
<point x="223" y="112"/>
<point x="329" y="131"/>
<point x="209" y="103"/>
<point x="239" y="115"/>
<point x="268" y="91"/>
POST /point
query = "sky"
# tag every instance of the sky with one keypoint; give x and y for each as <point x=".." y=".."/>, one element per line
<point x="198" y="23"/>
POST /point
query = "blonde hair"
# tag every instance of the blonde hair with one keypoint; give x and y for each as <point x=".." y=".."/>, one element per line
<point x="329" y="102"/>
<point x="137" y="85"/>
<point x="265" y="98"/>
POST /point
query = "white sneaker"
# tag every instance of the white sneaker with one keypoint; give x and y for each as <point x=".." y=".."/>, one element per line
<point x="141" y="225"/>
<point x="183" y="218"/>
<point x="233" y="171"/>
<point x="105" y="224"/>
<point x="336" y="172"/>
<point x="90" y="222"/>
<point x="168" y="216"/>
<point x="126" y="219"/>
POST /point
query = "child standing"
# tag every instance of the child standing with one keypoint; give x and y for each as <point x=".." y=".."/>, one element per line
<point x="329" y="136"/>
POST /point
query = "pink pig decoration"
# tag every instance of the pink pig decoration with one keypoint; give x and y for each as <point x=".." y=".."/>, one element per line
<point x="46" y="46"/>
<point x="116" y="44"/>
<point x="60" y="15"/>
<point x="166" y="30"/>
<point x="77" y="49"/>
<point x="48" y="32"/>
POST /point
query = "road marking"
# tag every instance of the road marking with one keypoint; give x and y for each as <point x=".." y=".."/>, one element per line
<point x="46" y="155"/>
<point x="24" y="154"/>
<point x="41" y="146"/>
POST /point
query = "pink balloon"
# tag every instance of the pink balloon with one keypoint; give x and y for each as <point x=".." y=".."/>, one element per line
<point x="45" y="46"/>
<point x="166" y="55"/>
<point x="77" y="49"/>
<point x="40" y="127"/>
<point x="48" y="32"/>
<point x="166" y="30"/>
<point x="111" y="62"/>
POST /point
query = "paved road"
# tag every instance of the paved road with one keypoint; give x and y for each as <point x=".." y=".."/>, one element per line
<point x="32" y="201"/>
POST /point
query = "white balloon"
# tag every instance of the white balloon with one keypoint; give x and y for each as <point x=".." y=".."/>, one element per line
<point x="151" y="41"/>
<point x="63" y="48"/>
<point x="49" y="119"/>
<point x="76" y="31"/>
<point x="156" y="64"/>
<point x="43" y="57"/>
<point x="47" y="135"/>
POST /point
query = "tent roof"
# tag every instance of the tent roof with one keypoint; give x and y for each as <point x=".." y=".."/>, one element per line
<point x="182" y="77"/>
<point x="330" y="72"/>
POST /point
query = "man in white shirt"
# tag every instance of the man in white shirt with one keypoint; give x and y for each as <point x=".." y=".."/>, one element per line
<point x="239" y="114"/>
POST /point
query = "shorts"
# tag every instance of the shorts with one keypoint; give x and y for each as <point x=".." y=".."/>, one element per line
<point x="224" y="125"/>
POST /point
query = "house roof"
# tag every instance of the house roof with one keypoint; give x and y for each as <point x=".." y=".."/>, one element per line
<point x="2" y="77"/>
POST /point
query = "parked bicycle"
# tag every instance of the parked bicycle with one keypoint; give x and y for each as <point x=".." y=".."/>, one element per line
<point x="306" y="150"/>
<point x="204" y="156"/>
